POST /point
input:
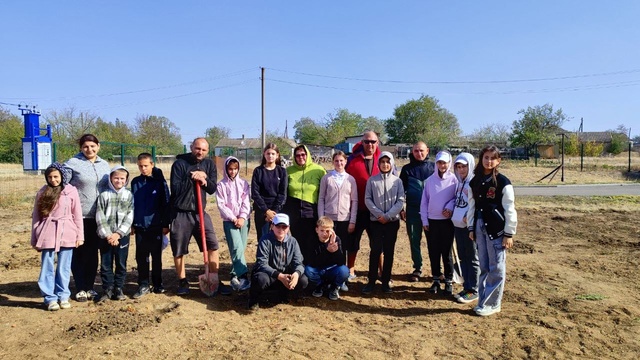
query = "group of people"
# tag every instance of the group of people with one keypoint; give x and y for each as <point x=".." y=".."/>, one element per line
<point x="309" y="222"/>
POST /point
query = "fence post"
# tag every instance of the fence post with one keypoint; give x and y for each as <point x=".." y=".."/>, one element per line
<point x="630" y="143"/>
<point x="122" y="154"/>
<point x="55" y="155"/>
<point x="581" y="155"/>
<point x="153" y="153"/>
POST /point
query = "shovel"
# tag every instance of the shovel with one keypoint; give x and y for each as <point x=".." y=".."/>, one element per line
<point x="208" y="281"/>
<point x="457" y="270"/>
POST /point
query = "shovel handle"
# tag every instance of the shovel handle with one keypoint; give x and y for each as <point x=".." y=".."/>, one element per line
<point x="202" y="232"/>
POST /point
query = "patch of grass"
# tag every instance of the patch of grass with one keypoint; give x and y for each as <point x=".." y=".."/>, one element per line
<point x="590" y="297"/>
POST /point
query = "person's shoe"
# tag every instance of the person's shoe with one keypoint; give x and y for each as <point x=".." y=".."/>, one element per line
<point x="386" y="288"/>
<point x="344" y="287"/>
<point x="253" y="306"/>
<point x="448" y="289"/>
<point x="159" y="290"/>
<point x="415" y="276"/>
<point x="53" y="306"/>
<point x="223" y="289"/>
<point x="461" y="293"/>
<point x="235" y="283"/>
<point x="91" y="294"/>
<point x="183" y="288"/>
<point x="318" y="292"/>
<point x="352" y="277"/>
<point x="488" y="310"/>
<point x="107" y="295"/>
<point x="477" y="307"/>
<point x="468" y="297"/>
<point x="142" y="291"/>
<point x="119" y="295"/>
<point x="64" y="304"/>
<point x="245" y="284"/>
<point x="368" y="289"/>
<point x="435" y="287"/>
<point x="81" y="296"/>
<point x="334" y="294"/>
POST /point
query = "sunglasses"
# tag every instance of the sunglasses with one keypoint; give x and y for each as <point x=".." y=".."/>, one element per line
<point x="370" y="142"/>
<point x="301" y="155"/>
<point x="282" y="226"/>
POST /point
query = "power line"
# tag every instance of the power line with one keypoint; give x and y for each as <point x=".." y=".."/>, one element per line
<point x="620" y="72"/>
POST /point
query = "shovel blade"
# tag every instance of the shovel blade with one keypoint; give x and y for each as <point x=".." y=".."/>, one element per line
<point x="209" y="283"/>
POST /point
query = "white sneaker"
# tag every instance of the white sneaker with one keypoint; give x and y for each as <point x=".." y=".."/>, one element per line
<point x="235" y="283"/>
<point x="488" y="310"/>
<point x="53" y="306"/>
<point x="65" y="304"/>
<point x="81" y="296"/>
<point x="245" y="284"/>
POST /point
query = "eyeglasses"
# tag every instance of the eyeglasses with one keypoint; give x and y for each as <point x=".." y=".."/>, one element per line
<point x="282" y="226"/>
<point x="301" y="155"/>
<point x="370" y="142"/>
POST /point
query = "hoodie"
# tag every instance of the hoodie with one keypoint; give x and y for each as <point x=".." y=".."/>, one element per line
<point x="413" y="176"/>
<point x="356" y="167"/>
<point x="183" y="190"/>
<point x="462" y="190"/>
<point x="384" y="193"/>
<point x="275" y="257"/>
<point x="304" y="187"/>
<point x="233" y="195"/>
<point x="90" y="178"/>
<point x="114" y="209"/>
<point x="439" y="194"/>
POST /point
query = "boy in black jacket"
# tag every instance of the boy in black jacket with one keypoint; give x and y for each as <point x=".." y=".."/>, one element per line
<point x="150" y="222"/>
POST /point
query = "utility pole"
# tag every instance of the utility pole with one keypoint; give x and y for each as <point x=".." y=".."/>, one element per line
<point x="264" y="134"/>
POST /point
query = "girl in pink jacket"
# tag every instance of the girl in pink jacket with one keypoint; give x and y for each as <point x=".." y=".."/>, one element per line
<point x="57" y="228"/>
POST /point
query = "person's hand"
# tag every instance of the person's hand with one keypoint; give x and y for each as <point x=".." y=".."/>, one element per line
<point x="293" y="280"/>
<point x="165" y="231"/>
<point x="403" y="215"/>
<point x="284" y="279"/>
<point x="507" y="242"/>
<point x="471" y="236"/>
<point x="199" y="176"/>
<point x="133" y="231"/>
<point x="269" y="214"/>
<point x="447" y="213"/>
<point x="351" y="228"/>
<point x="332" y="246"/>
<point x="79" y="243"/>
<point x="464" y="219"/>
<point x="425" y="227"/>
<point x="239" y="222"/>
<point x="382" y="219"/>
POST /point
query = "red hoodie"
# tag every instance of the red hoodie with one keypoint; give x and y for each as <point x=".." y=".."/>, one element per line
<point x="356" y="167"/>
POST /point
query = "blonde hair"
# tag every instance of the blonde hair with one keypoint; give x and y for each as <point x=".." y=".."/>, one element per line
<point x="324" y="221"/>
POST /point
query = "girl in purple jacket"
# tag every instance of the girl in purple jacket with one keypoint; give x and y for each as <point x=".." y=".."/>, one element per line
<point x="57" y="228"/>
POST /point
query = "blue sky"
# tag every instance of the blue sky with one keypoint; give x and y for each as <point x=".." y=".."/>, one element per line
<point x="197" y="62"/>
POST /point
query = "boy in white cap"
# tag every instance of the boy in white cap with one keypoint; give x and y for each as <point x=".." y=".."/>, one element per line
<point x="278" y="263"/>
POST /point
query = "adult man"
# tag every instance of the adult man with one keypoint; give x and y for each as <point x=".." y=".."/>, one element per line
<point x="185" y="221"/>
<point x="413" y="176"/>
<point x="362" y="164"/>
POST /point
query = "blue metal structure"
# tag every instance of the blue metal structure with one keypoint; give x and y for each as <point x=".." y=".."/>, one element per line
<point x="36" y="148"/>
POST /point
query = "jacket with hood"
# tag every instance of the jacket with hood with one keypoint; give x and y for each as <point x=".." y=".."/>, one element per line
<point x="462" y="191"/>
<point x="233" y="195"/>
<point x="275" y="257"/>
<point x="114" y="210"/>
<point x="151" y="196"/>
<point x="183" y="190"/>
<point x="63" y="226"/>
<point x="356" y="167"/>
<point x="339" y="203"/>
<point x="384" y="193"/>
<point x="439" y="194"/>
<point x="413" y="176"/>
<point x="90" y="178"/>
<point x="303" y="187"/>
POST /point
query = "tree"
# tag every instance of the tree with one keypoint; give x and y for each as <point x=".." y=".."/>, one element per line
<point x="619" y="140"/>
<point x="492" y="134"/>
<point x="425" y="120"/>
<point x="158" y="131"/>
<point x="309" y="132"/>
<point x="334" y="127"/>
<point x="538" y="125"/>
<point x="215" y="134"/>
<point x="118" y="131"/>
<point x="69" y="124"/>
<point x="11" y="133"/>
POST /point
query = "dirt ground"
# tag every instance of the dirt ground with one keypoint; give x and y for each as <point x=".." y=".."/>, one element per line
<point x="571" y="280"/>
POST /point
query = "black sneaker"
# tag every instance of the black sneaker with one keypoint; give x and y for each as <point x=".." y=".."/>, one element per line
<point x="253" y="306"/>
<point x="142" y="291"/>
<point x="106" y="295"/>
<point x="119" y="295"/>
<point x="318" y="291"/>
<point x="368" y="289"/>
<point x="435" y="287"/>
<point x="159" y="290"/>
<point x="334" y="294"/>
<point x="183" y="288"/>
<point x="386" y="288"/>
<point x="224" y="289"/>
<point x="448" y="289"/>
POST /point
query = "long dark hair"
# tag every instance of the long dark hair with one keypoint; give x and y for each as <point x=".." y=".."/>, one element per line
<point x="478" y="172"/>
<point x="49" y="198"/>
<point x="268" y="147"/>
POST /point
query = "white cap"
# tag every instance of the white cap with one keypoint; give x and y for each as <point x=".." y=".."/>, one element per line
<point x="443" y="156"/>
<point x="281" y="219"/>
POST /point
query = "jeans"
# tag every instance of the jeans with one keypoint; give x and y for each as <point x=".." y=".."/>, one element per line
<point x="469" y="263"/>
<point x="84" y="263"/>
<point x="414" y="230"/>
<point x="149" y="242"/>
<point x="110" y="254"/>
<point x="335" y="275"/>
<point x="54" y="281"/>
<point x="237" y="241"/>
<point x="493" y="267"/>
<point x="261" y="281"/>
<point x="383" y="240"/>
<point x="439" y="242"/>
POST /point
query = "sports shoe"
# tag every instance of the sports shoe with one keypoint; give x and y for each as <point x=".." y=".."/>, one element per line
<point x="344" y="287"/>
<point x="415" y="276"/>
<point x="159" y="290"/>
<point x="183" y="288"/>
<point x="386" y="288"/>
<point x="119" y="295"/>
<point x="318" y="292"/>
<point x="334" y="294"/>
<point x="223" y="289"/>
<point x="235" y="283"/>
<point x="352" y="277"/>
<point x="245" y="284"/>
<point x="64" y="304"/>
<point x="253" y="306"/>
<point x="368" y="289"/>
<point x="435" y="287"/>
<point x="81" y="296"/>
<point x="448" y="289"/>
<point x="461" y="293"/>
<point x="488" y="310"/>
<point x="107" y="295"/>
<point x="53" y="306"/>
<point x="468" y="297"/>
<point x="142" y="291"/>
<point x="91" y="294"/>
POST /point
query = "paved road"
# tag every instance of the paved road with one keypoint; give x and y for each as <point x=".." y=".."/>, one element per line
<point x="579" y="190"/>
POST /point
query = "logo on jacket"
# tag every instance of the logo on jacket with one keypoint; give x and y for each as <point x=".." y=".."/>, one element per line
<point x="491" y="193"/>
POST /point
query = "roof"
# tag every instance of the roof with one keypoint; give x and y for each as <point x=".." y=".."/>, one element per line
<point x="598" y="136"/>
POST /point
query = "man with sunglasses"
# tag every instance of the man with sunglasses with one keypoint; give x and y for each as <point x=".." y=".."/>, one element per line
<point x="362" y="164"/>
<point x="278" y="264"/>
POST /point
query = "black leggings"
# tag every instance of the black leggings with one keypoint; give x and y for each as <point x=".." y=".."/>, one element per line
<point x="439" y="242"/>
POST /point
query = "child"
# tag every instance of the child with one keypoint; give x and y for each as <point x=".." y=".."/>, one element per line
<point x="338" y="200"/>
<point x="150" y="223"/>
<point x="326" y="263"/>
<point x="384" y="197"/>
<point x="436" y="208"/>
<point x="57" y="228"/>
<point x="278" y="263"/>
<point x="268" y="188"/>
<point x="492" y="221"/>
<point x="114" y="216"/>
<point x="233" y="199"/>
<point x="467" y="249"/>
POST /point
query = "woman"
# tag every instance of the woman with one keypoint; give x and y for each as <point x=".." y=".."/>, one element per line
<point x="268" y="188"/>
<point x="89" y="173"/>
